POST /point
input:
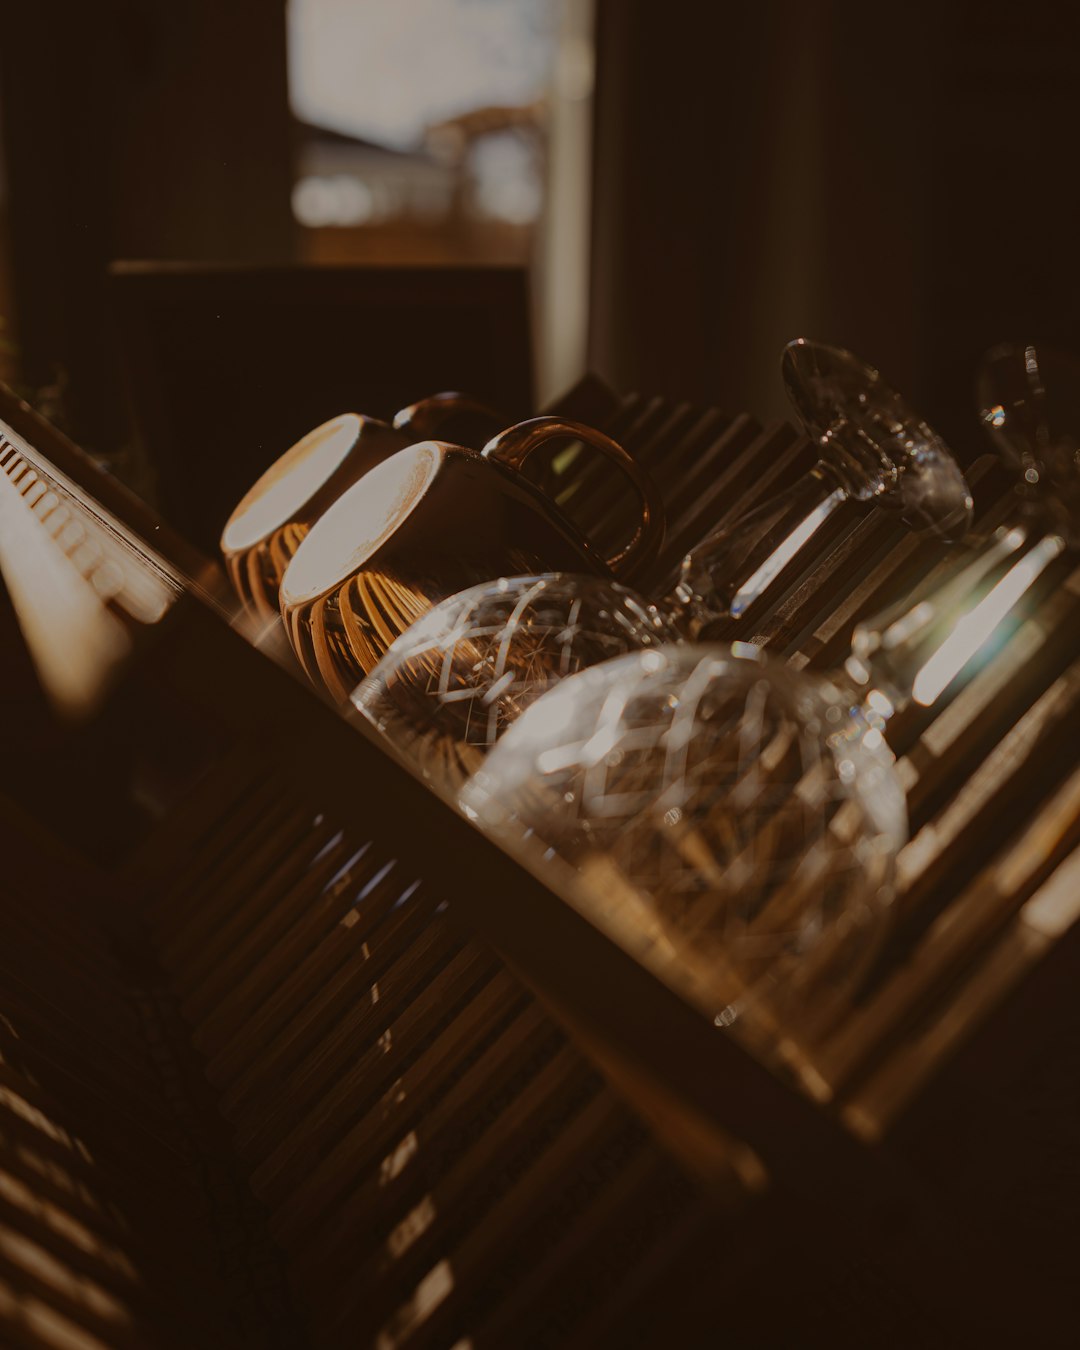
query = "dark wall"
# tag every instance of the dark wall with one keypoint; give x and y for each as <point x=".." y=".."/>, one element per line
<point x="134" y="128"/>
<point x="898" y="179"/>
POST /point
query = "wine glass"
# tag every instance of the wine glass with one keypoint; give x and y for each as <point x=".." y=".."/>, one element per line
<point x="746" y="817"/>
<point x="874" y="448"/>
<point x="748" y="813"/>
<point x="451" y="684"/>
<point x="448" y="688"/>
<point x="1029" y="404"/>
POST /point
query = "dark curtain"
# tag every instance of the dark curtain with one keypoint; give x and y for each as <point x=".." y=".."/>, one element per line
<point x="898" y="179"/>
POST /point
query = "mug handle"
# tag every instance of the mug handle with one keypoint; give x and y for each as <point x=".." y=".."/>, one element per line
<point x="513" y="447"/>
<point x="426" y="416"/>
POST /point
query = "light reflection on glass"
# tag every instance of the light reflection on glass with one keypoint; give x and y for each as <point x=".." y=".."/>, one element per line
<point x="974" y="630"/>
<point x="774" y="564"/>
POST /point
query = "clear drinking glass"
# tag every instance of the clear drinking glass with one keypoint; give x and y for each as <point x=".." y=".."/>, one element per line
<point x="747" y="816"/>
<point x="874" y="448"/>
<point x="1029" y="404"/>
<point x="449" y="687"/>
<point x="749" y="813"/>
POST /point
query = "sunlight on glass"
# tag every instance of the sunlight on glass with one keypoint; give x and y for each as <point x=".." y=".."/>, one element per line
<point x="779" y="558"/>
<point x="976" y="628"/>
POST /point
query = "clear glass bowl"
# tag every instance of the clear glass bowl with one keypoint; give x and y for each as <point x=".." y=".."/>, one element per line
<point x="1029" y="403"/>
<point x="749" y="812"/>
<point x="456" y="680"/>
<point x="448" y="688"/>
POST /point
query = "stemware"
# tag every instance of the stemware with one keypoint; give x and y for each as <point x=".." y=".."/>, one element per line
<point x="1029" y="403"/>
<point x="450" y="686"/>
<point x="746" y="816"/>
<point x="752" y="812"/>
<point x="874" y="448"/>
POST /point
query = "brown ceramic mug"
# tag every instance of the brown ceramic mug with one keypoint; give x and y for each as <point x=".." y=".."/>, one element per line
<point x="425" y="524"/>
<point x="265" y="529"/>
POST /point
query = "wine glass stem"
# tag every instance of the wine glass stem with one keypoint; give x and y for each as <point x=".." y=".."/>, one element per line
<point x="735" y="565"/>
<point x="817" y="507"/>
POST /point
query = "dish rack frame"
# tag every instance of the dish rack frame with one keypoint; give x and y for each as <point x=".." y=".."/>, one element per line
<point x="389" y="1088"/>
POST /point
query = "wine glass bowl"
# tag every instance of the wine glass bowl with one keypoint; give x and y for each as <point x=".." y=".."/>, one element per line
<point x="744" y="806"/>
<point x="456" y="680"/>
<point x="1029" y="403"/>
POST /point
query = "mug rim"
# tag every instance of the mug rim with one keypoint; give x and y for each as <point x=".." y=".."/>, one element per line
<point x="409" y="473"/>
<point x="336" y="438"/>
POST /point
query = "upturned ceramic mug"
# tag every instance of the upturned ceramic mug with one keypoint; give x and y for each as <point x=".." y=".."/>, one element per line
<point x="274" y="515"/>
<point x="425" y="524"/>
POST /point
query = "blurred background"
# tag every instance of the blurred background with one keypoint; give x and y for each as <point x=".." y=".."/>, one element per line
<point x="687" y="186"/>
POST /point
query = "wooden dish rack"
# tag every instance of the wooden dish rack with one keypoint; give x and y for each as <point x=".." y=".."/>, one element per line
<point x="290" y="1055"/>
